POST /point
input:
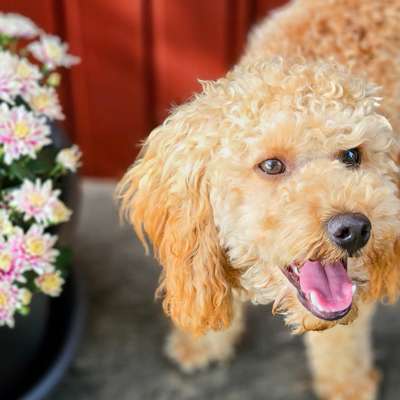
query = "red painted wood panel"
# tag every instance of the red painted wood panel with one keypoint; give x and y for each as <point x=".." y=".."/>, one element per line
<point x="198" y="40"/>
<point x="139" y="57"/>
<point x="190" y="43"/>
<point x="113" y="46"/>
<point x="263" y="7"/>
<point x="41" y="11"/>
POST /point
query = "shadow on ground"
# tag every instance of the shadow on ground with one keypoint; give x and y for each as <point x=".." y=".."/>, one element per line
<point x="121" y="354"/>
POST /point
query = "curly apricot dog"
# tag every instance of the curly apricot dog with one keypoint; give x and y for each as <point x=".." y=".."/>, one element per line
<point x="278" y="184"/>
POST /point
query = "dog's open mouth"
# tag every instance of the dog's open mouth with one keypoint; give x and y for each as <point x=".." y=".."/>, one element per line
<point x="325" y="289"/>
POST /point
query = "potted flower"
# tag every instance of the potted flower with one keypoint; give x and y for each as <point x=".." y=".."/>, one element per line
<point x="39" y="317"/>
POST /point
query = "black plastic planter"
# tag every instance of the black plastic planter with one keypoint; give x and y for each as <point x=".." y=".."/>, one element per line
<point x="37" y="351"/>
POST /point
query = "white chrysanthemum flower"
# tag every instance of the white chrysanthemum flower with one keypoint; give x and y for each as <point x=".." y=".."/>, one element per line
<point x="9" y="85"/>
<point x="35" y="200"/>
<point x="21" y="133"/>
<point x="18" y="76"/>
<point x="70" y="159"/>
<point x="50" y="283"/>
<point x="52" y="52"/>
<point x="9" y="302"/>
<point x="44" y="100"/>
<point x="30" y="251"/>
<point x="54" y="79"/>
<point x="5" y="224"/>
<point x="12" y="265"/>
<point x="6" y="260"/>
<point x="17" y="26"/>
<point x="39" y="252"/>
<point x="60" y="213"/>
<point x="25" y="296"/>
<point x="28" y="76"/>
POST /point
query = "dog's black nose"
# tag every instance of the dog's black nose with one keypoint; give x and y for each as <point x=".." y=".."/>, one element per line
<point x="350" y="231"/>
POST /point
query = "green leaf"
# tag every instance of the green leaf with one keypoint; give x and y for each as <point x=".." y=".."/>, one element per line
<point x="20" y="101"/>
<point x="64" y="260"/>
<point x="5" y="40"/>
<point x="30" y="277"/>
<point x="19" y="170"/>
<point x="44" y="162"/>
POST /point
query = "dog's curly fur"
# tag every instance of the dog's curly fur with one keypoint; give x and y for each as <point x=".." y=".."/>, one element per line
<point x="223" y="232"/>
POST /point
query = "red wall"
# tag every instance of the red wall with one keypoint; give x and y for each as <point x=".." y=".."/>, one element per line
<point x="139" y="58"/>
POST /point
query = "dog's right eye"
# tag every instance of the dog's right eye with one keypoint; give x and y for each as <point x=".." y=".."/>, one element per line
<point x="272" y="166"/>
<point x="351" y="157"/>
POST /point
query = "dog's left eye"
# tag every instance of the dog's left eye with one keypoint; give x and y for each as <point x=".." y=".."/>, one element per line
<point x="351" y="157"/>
<point x="272" y="166"/>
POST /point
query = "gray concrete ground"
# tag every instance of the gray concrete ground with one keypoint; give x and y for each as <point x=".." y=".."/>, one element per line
<point x="121" y="358"/>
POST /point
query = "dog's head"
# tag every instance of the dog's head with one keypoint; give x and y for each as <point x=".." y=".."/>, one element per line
<point x="278" y="182"/>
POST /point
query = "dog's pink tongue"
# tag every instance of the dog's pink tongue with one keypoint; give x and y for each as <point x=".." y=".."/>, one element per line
<point x="328" y="287"/>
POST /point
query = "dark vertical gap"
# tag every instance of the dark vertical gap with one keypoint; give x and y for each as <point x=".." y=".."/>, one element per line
<point x="251" y="18"/>
<point x="253" y="8"/>
<point x="235" y="47"/>
<point x="231" y="32"/>
<point x="148" y="61"/>
<point x="59" y="12"/>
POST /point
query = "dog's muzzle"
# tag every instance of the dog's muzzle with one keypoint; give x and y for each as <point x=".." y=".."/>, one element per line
<point x="350" y="231"/>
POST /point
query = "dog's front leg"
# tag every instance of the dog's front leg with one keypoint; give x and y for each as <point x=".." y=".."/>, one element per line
<point x="193" y="353"/>
<point x="342" y="362"/>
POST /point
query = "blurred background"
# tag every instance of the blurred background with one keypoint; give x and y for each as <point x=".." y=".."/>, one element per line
<point x="140" y="57"/>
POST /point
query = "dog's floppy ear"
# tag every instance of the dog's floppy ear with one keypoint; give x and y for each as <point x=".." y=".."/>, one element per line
<point x="384" y="274"/>
<point x="165" y="195"/>
<point x="384" y="270"/>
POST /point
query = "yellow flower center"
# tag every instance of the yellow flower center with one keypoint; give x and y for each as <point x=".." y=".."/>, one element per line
<point x="21" y="130"/>
<point x="60" y="213"/>
<point x="5" y="261"/>
<point x="36" y="246"/>
<point x="50" y="284"/>
<point x="54" y="51"/>
<point x="23" y="71"/>
<point x="26" y="297"/>
<point x="40" y="101"/>
<point x="3" y="300"/>
<point x="54" y="79"/>
<point x="37" y="199"/>
<point x="5" y="226"/>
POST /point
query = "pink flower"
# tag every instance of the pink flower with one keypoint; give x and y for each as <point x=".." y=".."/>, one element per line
<point x="44" y="100"/>
<point x="27" y="75"/>
<point x="35" y="200"/>
<point x="30" y="251"/>
<point x="39" y="252"/>
<point x="9" y="85"/>
<point x="52" y="52"/>
<point x="9" y="302"/>
<point x="18" y="76"/>
<point x="11" y="265"/>
<point x="21" y="133"/>
<point x="17" y="26"/>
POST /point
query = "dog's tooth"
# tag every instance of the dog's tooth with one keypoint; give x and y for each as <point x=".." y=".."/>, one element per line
<point x="296" y="270"/>
<point x="353" y="288"/>
<point x="313" y="299"/>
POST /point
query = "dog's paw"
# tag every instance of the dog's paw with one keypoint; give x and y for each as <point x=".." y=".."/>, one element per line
<point x="361" y="388"/>
<point x="197" y="353"/>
